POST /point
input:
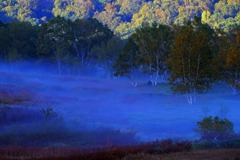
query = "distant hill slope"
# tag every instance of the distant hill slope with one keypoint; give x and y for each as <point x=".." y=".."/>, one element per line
<point x="124" y="16"/>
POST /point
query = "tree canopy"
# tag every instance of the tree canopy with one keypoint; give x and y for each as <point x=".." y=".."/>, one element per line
<point x="124" y="16"/>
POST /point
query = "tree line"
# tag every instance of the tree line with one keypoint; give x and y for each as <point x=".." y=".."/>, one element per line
<point x="65" y="43"/>
<point x="124" y="16"/>
<point x="192" y="56"/>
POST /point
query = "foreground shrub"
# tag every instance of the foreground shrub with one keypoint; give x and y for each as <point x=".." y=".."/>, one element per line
<point x="216" y="133"/>
<point x="209" y="144"/>
<point x="215" y="129"/>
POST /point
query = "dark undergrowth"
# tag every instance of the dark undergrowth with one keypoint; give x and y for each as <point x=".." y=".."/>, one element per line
<point x="109" y="153"/>
<point x="165" y="149"/>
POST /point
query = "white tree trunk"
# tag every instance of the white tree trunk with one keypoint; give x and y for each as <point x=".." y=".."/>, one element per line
<point x="190" y="98"/>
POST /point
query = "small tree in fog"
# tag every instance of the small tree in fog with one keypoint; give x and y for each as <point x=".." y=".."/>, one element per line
<point x="48" y="113"/>
<point x="190" y="59"/>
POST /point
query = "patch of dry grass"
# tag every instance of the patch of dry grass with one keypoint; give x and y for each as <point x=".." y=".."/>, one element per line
<point x="119" y="153"/>
<point x="109" y="153"/>
<point x="213" y="154"/>
<point x="12" y="94"/>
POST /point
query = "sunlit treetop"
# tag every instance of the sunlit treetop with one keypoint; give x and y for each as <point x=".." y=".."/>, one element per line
<point x="124" y="16"/>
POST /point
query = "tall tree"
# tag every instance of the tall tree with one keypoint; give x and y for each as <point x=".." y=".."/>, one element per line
<point x="88" y="33"/>
<point x="22" y="37"/>
<point x="190" y="59"/>
<point x="55" y="41"/>
<point x="154" y="45"/>
<point x="128" y="62"/>
<point x="229" y="59"/>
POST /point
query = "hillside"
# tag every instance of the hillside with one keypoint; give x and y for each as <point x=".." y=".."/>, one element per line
<point x="124" y="16"/>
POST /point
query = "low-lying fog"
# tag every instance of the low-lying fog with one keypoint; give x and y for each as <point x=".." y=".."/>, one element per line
<point x="85" y="104"/>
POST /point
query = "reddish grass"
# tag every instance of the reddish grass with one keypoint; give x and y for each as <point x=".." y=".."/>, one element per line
<point x="11" y="94"/>
<point x="161" y="150"/>
<point x="111" y="153"/>
<point x="213" y="154"/>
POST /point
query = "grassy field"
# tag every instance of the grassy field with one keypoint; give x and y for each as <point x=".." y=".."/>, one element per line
<point x="125" y="153"/>
<point x="217" y="154"/>
<point x="63" y="117"/>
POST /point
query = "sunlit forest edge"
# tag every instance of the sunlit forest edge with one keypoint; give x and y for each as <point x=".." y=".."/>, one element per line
<point x="124" y="16"/>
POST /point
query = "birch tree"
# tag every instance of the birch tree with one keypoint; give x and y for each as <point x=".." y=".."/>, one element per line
<point x="190" y="60"/>
<point x="88" y="33"/>
<point x="128" y="62"/>
<point x="154" y="45"/>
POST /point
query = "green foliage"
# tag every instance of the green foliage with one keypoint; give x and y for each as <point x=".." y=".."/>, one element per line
<point x="129" y="7"/>
<point x="222" y="14"/>
<point x="194" y="54"/>
<point x="154" y="45"/>
<point x="127" y="63"/>
<point x="205" y="16"/>
<point x="20" y="9"/>
<point x="233" y="60"/>
<point x="215" y="128"/>
<point x="148" y="47"/>
<point x="108" y="16"/>
<point x="58" y="41"/>
<point x="73" y="9"/>
<point x="87" y="34"/>
<point x="18" y="41"/>
<point x="190" y="59"/>
<point x="228" y="59"/>
<point x="55" y="41"/>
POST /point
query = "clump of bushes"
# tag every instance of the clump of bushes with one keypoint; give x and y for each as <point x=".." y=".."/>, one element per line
<point x="216" y="133"/>
<point x="214" y="128"/>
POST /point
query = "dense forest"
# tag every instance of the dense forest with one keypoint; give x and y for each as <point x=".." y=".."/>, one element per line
<point x="190" y="56"/>
<point x="124" y="16"/>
